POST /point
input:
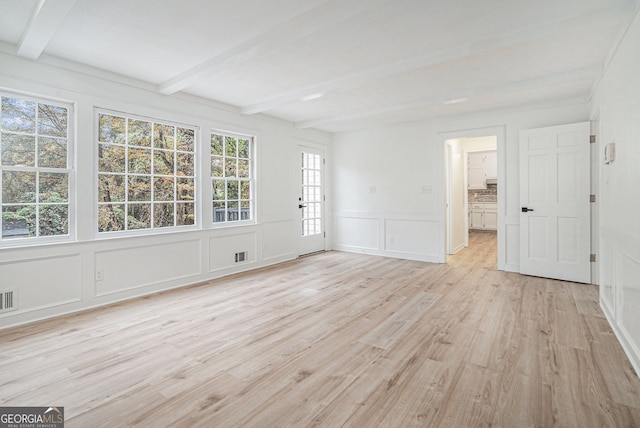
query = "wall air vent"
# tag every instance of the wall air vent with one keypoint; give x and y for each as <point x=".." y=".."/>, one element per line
<point x="8" y="300"/>
<point x="241" y="257"/>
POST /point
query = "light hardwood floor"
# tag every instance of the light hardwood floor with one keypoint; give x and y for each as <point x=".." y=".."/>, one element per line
<point x="335" y="339"/>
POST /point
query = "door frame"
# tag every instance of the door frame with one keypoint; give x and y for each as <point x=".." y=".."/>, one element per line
<point x="299" y="147"/>
<point x="595" y="190"/>
<point x="500" y="133"/>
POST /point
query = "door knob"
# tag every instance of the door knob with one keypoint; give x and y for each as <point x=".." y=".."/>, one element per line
<point x="301" y="206"/>
<point x="525" y="209"/>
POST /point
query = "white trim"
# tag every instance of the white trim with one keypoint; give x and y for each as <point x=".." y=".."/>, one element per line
<point x="634" y="357"/>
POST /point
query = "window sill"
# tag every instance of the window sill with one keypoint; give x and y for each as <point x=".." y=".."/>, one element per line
<point x="19" y="243"/>
<point x="231" y="225"/>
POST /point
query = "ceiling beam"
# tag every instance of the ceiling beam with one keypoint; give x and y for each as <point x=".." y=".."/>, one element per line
<point x="298" y="27"/>
<point x="571" y="76"/>
<point x="462" y="52"/>
<point x="358" y="79"/>
<point x="45" y="21"/>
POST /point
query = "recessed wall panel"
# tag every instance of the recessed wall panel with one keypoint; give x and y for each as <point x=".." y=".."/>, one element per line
<point x="607" y="279"/>
<point x="412" y="237"/>
<point x="43" y="282"/>
<point x="628" y="284"/>
<point x="277" y="239"/>
<point x="512" y="240"/>
<point x="129" y="268"/>
<point x="222" y="250"/>
<point x="355" y="232"/>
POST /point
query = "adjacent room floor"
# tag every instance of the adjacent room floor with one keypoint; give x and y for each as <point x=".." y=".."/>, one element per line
<point x="335" y="339"/>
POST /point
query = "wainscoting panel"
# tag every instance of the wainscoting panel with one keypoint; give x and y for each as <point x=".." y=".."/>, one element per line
<point x="357" y="234"/>
<point x="223" y="249"/>
<point x="607" y="280"/>
<point x="512" y="241"/>
<point x="277" y="240"/>
<point x="388" y="234"/>
<point x="412" y="238"/>
<point x="627" y="276"/>
<point x="42" y="282"/>
<point x="620" y="289"/>
<point x="129" y="268"/>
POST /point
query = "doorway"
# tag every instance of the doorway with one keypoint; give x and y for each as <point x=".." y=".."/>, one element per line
<point x="474" y="181"/>
<point x="311" y="199"/>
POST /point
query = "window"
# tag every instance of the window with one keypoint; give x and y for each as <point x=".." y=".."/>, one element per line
<point x="146" y="174"/>
<point x="231" y="177"/>
<point x="35" y="154"/>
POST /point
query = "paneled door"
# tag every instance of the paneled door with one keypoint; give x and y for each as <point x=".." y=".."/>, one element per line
<point x="555" y="230"/>
<point x="311" y="200"/>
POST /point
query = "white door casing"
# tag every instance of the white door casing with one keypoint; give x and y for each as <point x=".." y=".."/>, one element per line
<point x="554" y="199"/>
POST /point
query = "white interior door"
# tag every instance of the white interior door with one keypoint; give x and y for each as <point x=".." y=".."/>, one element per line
<point x="554" y="199"/>
<point x="310" y="201"/>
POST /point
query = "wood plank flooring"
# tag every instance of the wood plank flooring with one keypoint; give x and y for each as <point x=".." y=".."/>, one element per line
<point x="333" y="340"/>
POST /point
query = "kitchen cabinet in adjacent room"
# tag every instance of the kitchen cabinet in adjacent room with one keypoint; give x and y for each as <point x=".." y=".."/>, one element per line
<point x="481" y="166"/>
<point x="483" y="216"/>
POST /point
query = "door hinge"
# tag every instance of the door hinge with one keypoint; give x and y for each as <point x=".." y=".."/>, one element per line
<point x="592" y="198"/>
<point x="592" y="139"/>
<point x="325" y="234"/>
<point x="324" y="161"/>
<point x="592" y="258"/>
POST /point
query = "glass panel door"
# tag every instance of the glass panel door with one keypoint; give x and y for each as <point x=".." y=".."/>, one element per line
<point x="311" y="200"/>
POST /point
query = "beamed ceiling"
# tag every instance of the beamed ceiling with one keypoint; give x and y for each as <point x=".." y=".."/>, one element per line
<point x="334" y="65"/>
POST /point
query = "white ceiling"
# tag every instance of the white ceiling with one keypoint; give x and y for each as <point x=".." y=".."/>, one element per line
<point x="335" y="65"/>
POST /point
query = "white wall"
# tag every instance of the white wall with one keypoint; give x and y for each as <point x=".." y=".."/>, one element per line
<point x="405" y="164"/>
<point x="617" y="105"/>
<point x="60" y="278"/>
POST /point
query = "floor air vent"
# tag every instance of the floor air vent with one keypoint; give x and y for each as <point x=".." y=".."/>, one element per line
<point x="8" y="300"/>
<point x="240" y="257"/>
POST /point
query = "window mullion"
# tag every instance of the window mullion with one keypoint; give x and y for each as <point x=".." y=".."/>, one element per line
<point x="126" y="174"/>
<point x="152" y="185"/>
<point x="174" y="153"/>
<point x="36" y="164"/>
